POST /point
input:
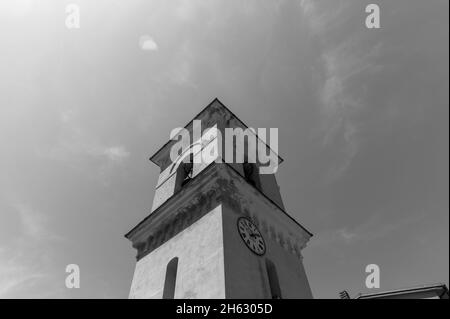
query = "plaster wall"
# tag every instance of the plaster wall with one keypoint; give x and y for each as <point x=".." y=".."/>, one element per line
<point x="200" y="273"/>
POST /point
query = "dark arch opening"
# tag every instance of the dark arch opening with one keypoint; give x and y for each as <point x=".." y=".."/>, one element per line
<point x="274" y="283"/>
<point x="184" y="172"/>
<point x="251" y="174"/>
<point x="171" y="278"/>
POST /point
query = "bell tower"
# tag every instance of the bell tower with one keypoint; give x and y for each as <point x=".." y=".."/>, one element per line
<point x="217" y="229"/>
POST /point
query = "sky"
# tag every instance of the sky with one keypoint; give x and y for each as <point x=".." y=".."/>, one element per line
<point x="362" y="117"/>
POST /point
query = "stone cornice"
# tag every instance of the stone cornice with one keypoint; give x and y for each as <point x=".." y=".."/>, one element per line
<point x="220" y="184"/>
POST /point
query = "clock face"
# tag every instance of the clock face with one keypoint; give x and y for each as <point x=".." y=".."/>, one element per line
<point x="251" y="236"/>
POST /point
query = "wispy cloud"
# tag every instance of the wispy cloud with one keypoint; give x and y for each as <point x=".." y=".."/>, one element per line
<point x="14" y="275"/>
<point x="116" y="153"/>
<point x="146" y="43"/>
<point x="340" y="98"/>
<point x="32" y="221"/>
<point x="75" y="146"/>
<point x="346" y="235"/>
<point x="374" y="228"/>
<point x="25" y="264"/>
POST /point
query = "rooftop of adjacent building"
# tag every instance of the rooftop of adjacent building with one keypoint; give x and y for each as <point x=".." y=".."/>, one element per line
<point x="437" y="290"/>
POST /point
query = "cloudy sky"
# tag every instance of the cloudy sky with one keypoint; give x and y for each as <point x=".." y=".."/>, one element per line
<point x="362" y="117"/>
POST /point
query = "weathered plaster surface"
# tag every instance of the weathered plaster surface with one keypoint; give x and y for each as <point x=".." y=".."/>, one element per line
<point x="200" y="266"/>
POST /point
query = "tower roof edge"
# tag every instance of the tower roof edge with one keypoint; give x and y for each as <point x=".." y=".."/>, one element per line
<point x="154" y="157"/>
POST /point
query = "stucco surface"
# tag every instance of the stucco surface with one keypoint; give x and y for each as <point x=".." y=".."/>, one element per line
<point x="200" y="266"/>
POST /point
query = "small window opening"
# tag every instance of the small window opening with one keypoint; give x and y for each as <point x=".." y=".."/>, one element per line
<point x="171" y="278"/>
<point x="184" y="173"/>
<point x="251" y="174"/>
<point x="187" y="173"/>
<point x="274" y="284"/>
